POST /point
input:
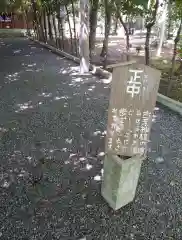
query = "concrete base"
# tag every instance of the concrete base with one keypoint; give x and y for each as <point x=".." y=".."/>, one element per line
<point x="120" y="179"/>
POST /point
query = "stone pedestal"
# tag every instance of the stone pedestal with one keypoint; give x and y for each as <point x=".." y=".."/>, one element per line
<point x="120" y="179"/>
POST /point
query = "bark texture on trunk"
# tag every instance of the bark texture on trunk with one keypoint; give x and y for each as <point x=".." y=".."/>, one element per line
<point x="54" y="26"/>
<point x="40" y="23"/>
<point x="37" y="20"/>
<point x="84" y="36"/>
<point x="162" y="30"/>
<point x="104" y="51"/>
<point x="27" y="22"/>
<point x="127" y="36"/>
<point x="147" y="46"/>
<point x="60" y="27"/>
<point x="74" y="23"/>
<point x="45" y="25"/>
<point x="93" y="25"/>
<point x="116" y="24"/>
<point x="35" y="24"/>
<point x="176" y="41"/>
<point x="69" y="24"/>
<point x="49" y="25"/>
<point x="169" y="20"/>
<point x="150" y="23"/>
<point x="61" y="31"/>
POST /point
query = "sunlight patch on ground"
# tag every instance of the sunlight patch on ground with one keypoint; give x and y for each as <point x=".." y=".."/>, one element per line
<point x="78" y="79"/>
<point x="45" y="94"/>
<point x="69" y="140"/>
<point x="82" y="159"/>
<point x="31" y="65"/>
<point x="24" y="106"/>
<point x="88" y="166"/>
<point x="6" y="184"/>
<point x="113" y="44"/>
<point x="12" y="77"/>
<point x="17" y="51"/>
<point x="22" y="173"/>
<point x="61" y="97"/>
<point x="154" y="117"/>
<point x="3" y="130"/>
<point x="97" y="178"/>
<point x="72" y="155"/>
<point x="64" y="149"/>
<point x="29" y="158"/>
<point x="57" y="98"/>
<point x="107" y="81"/>
<point x="101" y="154"/>
<point x="98" y="132"/>
<point x="91" y="88"/>
<point x="119" y="50"/>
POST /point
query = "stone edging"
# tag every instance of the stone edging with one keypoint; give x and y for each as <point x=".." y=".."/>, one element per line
<point x="166" y="101"/>
<point x="94" y="70"/>
<point x="170" y="103"/>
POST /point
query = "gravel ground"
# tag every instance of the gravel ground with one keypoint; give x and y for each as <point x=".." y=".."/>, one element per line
<point x="52" y="128"/>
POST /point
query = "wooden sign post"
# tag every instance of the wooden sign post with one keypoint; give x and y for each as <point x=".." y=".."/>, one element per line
<point x="132" y="101"/>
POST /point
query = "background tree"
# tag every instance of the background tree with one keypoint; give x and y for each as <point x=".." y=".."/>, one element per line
<point x="177" y="16"/>
<point x="162" y="27"/>
<point x="108" y="6"/>
<point x="94" y="7"/>
<point x="150" y="19"/>
<point x="131" y="9"/>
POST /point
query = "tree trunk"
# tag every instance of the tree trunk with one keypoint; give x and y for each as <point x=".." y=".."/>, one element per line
<point x="127" y="36"/>
<point x="162" y="30"/>
<point x="40" y="23"/>
<point x="45" y="25"/>
<point x="49" y="25"/>
<point x="55" y="28"/>
<point x="116" y="24"/>
<point x="62" y="31"/>
<point x="74" y="23"/>
<point x="27" y="22"/>
<point x="71" y="36"/>
<point x="37" y="21"/>
<point x="35" y="24"/>
<point x="169" y="20"/>
<point x="104" y="51"/>
<point x="147" y="46"/>
<point x="150" y="23"/>
<point x="177" y="39"/>
<point x="93" y="26"/>
<point x="84" y="37"/>
<point x="60" y="28"/>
